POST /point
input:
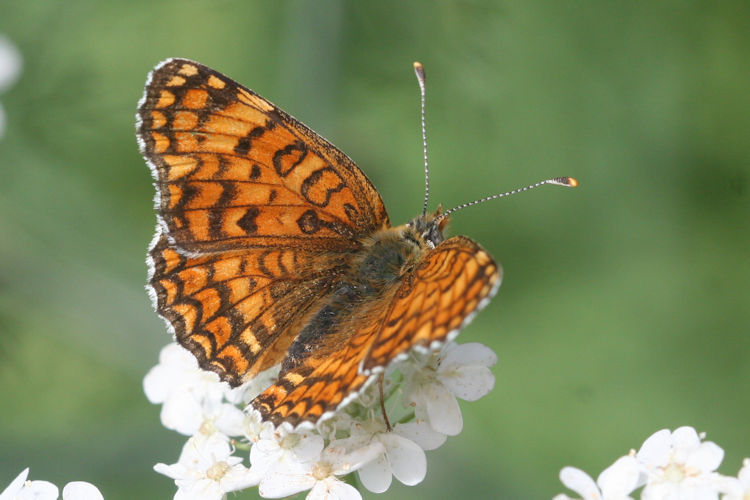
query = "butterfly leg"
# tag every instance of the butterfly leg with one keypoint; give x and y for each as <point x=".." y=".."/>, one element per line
<point x="382" y="402"/>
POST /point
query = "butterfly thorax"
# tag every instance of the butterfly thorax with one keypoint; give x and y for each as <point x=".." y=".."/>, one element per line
<point x="391" y="253"/>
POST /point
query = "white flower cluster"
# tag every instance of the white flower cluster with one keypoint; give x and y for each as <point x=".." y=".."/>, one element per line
<point x="21" y="489"/>
<point x="675" y="465"/>
<point x="420" y="398"/>
<point x="10" y="69"/>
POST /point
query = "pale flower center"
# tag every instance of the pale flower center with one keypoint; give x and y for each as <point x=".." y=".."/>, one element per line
<point x="207" y="427"/>
<point x="217" y="470"/>
<point x="321" y="470"/>
<point x="674" y="473"/>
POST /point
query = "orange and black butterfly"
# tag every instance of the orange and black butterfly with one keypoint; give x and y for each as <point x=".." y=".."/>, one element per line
<point x="273" y="247"/>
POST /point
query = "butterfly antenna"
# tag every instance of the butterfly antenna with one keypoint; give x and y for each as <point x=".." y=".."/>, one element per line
<point x="558" y="181"/>
<point x="419" y="70"/>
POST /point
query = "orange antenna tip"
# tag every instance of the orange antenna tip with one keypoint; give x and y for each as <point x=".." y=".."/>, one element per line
<point x="564" y="181"/>
<point x="419" y="70"/>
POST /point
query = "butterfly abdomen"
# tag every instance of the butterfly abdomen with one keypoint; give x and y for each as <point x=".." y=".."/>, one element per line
<point x="322" y="324"/>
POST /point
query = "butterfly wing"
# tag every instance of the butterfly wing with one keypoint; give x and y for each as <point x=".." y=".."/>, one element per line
<point x="234" y="171"/>
<point x="436" y="301"/>
<point x="430" y="306"/>
<point x="237" y="311"/>
<point x="256" y="213"/>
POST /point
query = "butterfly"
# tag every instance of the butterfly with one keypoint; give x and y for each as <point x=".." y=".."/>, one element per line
<point x="273" y="247"/>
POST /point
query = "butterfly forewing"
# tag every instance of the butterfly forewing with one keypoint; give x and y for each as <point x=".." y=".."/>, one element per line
<point x="234" y="171"/>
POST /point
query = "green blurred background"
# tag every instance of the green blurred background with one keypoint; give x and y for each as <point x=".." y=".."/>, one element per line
<point x="626" y="303"/>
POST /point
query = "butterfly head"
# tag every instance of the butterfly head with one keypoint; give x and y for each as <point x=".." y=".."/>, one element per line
<point x="429" y="227"/>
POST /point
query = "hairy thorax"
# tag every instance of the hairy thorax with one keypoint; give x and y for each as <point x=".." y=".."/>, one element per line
<point x="384" y="258"/>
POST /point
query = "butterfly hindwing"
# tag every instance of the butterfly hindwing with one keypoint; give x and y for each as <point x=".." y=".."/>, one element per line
<point x="436" y="301"/>
<point x="237" y="312"/>
<point x="428" y="307"/>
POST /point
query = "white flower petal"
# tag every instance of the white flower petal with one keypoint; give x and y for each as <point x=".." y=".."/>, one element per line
<point x="408" y="461"/>
<point x="580" y="482"/>
<point x="471" y="353"/>
<point x="181" y="412"/>
<point x="10" y="63"/>
<point x="656" y="449"/>
<point x="239" y="478"/>
<point x="175" y="471"/>
<point x="707" y="457"/>
<point x="685" y="437"/>
<point x="264" y="453"/>
<point x="309" y="447"/>
<point x="333" y="489"/>
<point x="185" y="493"/>
<point x="678" y="491"/>
<point x="743" y="475"/>
<point x="421" y="433"/>
<point x="278" y="484"/>
<point x="282" y="449"/>
<point x="734" y="489"/>
<point x="204" y="489"/>
<point x="174" y="354"/>
<point x="442" y="409"/>
<point x="621" y="478"/>
<point x="376" y="476"/>
<point x="230" y="420"/>
<point x="254" y="426"/>
<point x="81" y="490"/>
<point x="38" y="490"/>
<point x="343" y="462"/>
<point x="15" y="486"/>
<point x="468" y="382"/>
<point x="157" y="384"/>
<point x="216" y="446"/>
